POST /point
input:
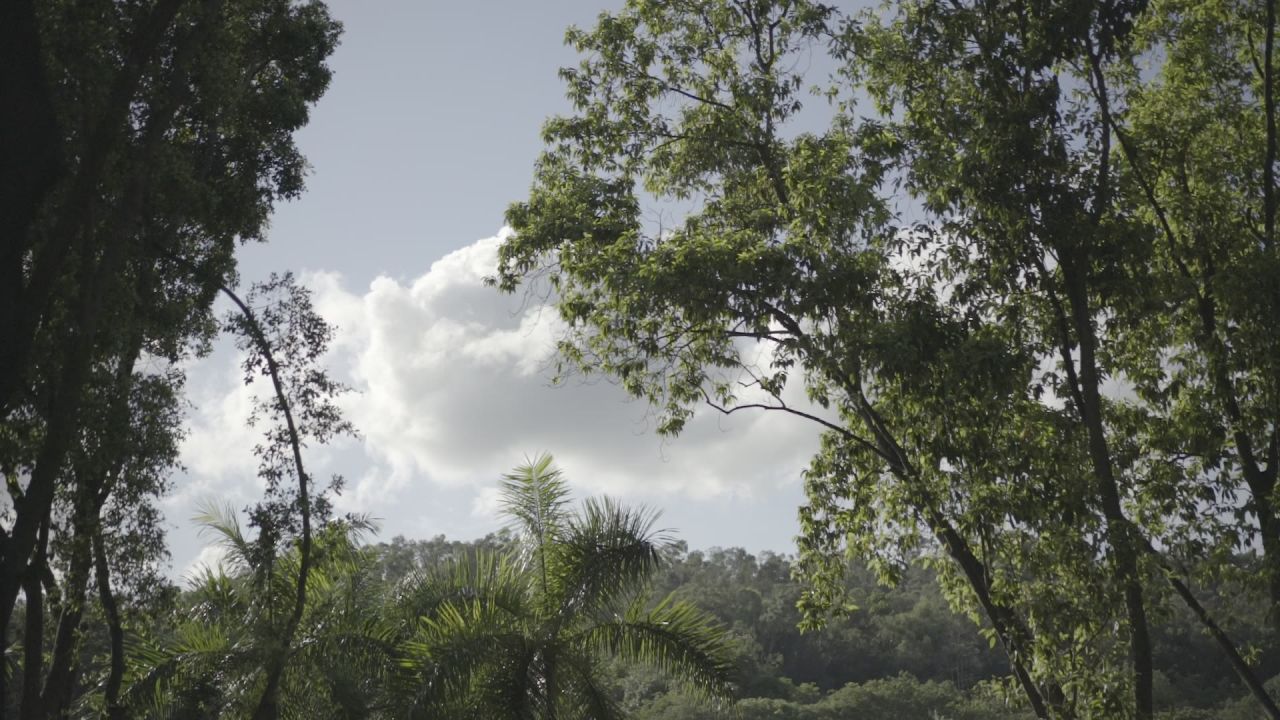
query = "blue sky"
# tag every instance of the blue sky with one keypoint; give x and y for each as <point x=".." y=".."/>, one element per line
<point x="430" y="128"/>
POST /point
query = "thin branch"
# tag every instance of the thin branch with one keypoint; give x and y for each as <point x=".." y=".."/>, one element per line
<point x="115" y="711"/>
<point x="1098" y="84"/>
<point x="268" y="705"/>
<point x="1268" y="95"/>
<point x="669" y="87"/>
<point x="843" y="432"/>
<point x="1242" y="669"/>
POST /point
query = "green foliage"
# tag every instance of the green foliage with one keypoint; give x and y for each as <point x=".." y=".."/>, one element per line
<point x="522" y="635"/>
<point x="901" y="648"/>
<point x="209" y="658"/>
<point x="388" y="624"/>
<point x="160" y="137"/>
<point x="517" y="625"/>
<point x="1028" y="287"/>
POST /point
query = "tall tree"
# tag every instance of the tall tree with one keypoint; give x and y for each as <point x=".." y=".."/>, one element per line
<point x="1196" y="150"/>
<point x="159" y="136"/>
<point x="963" y="280"/>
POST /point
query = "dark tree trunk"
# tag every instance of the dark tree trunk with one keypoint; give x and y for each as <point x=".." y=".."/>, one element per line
<point x="30" y="165"/>
<point x="115" y="677"/>
<point x="33" y="637"/>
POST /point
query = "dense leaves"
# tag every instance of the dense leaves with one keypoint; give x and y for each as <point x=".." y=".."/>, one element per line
<point x="519" y="626"/>
<point x="1018" y="254"/>
<point x="523" y="635"/>
<point x="144" y="142"/>
<point x="380" y="610"/>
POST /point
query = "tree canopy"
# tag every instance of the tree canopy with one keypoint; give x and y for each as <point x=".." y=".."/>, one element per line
<point x="1015" y="260"/>
<point x="143" y="143"/>
<point x="523" y="635"/>
<point x="1019" y="255"/>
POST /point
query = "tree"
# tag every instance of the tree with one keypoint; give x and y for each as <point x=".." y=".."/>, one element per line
<point x="522" y="635"/>
<point x="954" y="279"/>
<point x="214" y="656"/>
<point x="283" y="342"/>
<point x="159" y="136"/>
<point x="1196" y="146"/>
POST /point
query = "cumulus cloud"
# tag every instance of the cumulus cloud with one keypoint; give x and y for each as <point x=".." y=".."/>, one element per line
<point x="211" y="558"/>
<point x="219" y="440"/>
<point x="452" y="387"/>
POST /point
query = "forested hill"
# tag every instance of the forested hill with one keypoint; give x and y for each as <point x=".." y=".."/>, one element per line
<point x="901" y="653"/>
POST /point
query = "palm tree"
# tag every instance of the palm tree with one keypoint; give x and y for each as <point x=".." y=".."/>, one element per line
<point x="209" y="663"/>
<point x="524" y="634"/>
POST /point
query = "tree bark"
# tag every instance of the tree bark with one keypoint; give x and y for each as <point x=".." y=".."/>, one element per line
<point x="33" y="637"/>
<point x="1119" y="530"/>
<point x="115" y="676"/>
<point x="58" y="684"/>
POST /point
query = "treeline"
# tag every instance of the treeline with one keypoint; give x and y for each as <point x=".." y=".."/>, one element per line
<point x="897" y="652"/>
<point x="416" y="628"/>
<point x="527" y="624"/>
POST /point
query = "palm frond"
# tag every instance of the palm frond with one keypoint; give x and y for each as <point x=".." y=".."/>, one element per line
<point x="457" y="647"/>
<point x="343" y="663"/>
<point x="210" y="661"/>
<point x="483" y="576"/>
<point x="586" y="696"/>
<point x="163" y="675"/>
<point x="220" y="522"/>
<point x="607" y="554"/>
<point x="676" y="638"/>
<point x="499" y="637"/>
<point x="214" y="595"/>
<point x="534" y="496"/>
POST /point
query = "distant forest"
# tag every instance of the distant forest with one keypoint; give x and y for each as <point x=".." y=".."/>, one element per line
<point x="380" y="626"/>
<point x="901" y="653"/>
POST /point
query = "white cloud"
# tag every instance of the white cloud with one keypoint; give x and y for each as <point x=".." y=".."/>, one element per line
<point x="487" y="504"/>
<point x="451" y="388"/>
<point x="210" y="558"/>
<point x="219" y="442"/>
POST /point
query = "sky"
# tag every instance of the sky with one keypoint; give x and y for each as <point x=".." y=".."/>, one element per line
<point x="428" y="131"/>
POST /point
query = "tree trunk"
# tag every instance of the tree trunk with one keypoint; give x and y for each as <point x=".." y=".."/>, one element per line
<point x="58" y="684"/>
<point x="115" y="677"/>
<point x="30" y="148"/>
<point x="33" y="637"/>
<point x="1119" y="531"/>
